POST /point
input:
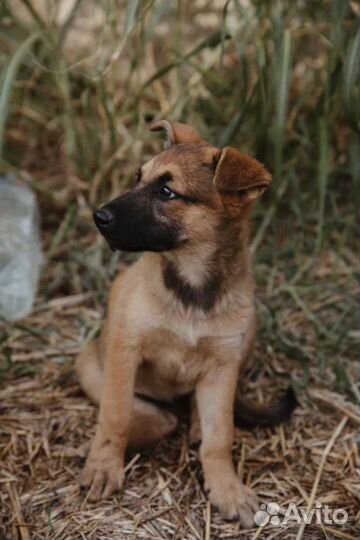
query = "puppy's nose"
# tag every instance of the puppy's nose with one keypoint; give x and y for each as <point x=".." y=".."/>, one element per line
<point x="103" y="218"/>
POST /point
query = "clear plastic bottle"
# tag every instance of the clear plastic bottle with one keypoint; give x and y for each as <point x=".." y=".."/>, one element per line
<point x="20" y="248"/>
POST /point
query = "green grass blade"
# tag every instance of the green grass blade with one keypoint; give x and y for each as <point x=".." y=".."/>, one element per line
<point x="352" y="66"/>
<point x="229" y="133"/>
<point x="9" y="78"/>
<point x="131" y="17"/>
<point x="322" y="179"/>
<point x="351" y="82"/>
<point x="281" y="105"/>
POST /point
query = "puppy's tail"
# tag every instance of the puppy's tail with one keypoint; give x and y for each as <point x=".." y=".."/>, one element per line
<point x="250" y="415"/>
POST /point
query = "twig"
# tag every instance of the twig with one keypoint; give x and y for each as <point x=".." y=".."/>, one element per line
<point x="327" y="450"/>
<point x="15" y="503"/>
<point x="330" y="399"/>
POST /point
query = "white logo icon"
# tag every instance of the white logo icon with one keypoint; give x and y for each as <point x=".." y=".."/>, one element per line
<point x="268" y="513"/>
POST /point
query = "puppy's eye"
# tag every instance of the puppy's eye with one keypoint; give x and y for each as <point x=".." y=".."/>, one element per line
<point x="166" y="194"/>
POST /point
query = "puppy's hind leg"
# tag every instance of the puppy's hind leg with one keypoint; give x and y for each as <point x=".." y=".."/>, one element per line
<point x="149" y="423"/>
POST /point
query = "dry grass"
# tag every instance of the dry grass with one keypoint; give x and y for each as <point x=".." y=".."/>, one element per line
<point x="46" y="421"/>
<point x="78" y="139"/>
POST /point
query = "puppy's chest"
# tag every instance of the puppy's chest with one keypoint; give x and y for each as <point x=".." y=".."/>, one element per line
<point x="182" y="352"/>
<point x="179" y="347"/>
<point x="174" y="358"/>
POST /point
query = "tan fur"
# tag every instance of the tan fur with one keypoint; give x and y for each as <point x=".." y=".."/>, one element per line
<point x="154" y="345"/>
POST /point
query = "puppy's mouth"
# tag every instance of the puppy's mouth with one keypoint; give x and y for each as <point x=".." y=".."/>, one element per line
<point x="153" y="244"/>
<point x="130" y="227"/>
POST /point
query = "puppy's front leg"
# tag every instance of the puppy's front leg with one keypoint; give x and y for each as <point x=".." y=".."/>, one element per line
<point x="215" y="398"/>
<point x="104" y="469"/>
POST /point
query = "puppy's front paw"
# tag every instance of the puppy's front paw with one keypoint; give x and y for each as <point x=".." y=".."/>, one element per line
<point x="104" y="471"/>
<point x="234" y="500"/>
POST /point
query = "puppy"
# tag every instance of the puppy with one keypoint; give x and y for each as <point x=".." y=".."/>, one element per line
<point x="182" y="318"/>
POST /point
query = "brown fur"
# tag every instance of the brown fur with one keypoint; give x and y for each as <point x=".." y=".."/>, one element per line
<point x="181" y="321"/>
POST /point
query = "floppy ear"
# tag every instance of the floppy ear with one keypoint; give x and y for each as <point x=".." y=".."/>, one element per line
<point x="177" y="133"/>
<point x="240" y="175"/>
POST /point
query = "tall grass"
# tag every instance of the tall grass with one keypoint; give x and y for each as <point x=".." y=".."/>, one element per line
<point x="278" y="79"/>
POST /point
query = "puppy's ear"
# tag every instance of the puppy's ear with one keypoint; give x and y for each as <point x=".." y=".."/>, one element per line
<point x="177" y="133"/>
<point x="239" y="175"/>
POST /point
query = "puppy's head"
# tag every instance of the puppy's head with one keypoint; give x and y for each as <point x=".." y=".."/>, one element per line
<point x="185" y="195"/>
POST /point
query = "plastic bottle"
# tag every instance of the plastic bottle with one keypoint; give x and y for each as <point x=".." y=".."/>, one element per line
<point x="20" y="248"/>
